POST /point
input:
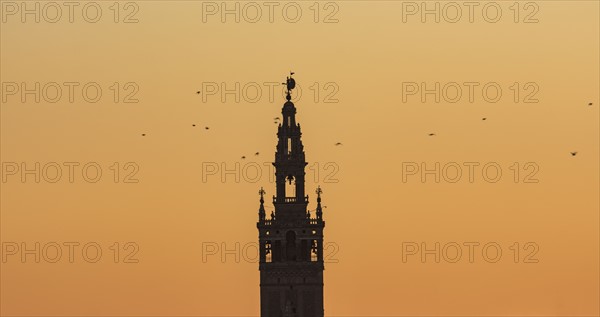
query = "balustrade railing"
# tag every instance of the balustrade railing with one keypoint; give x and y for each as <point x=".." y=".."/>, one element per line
<point x="289" y="200"/>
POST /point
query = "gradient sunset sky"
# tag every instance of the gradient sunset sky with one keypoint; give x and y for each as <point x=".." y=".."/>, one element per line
<point x="359" y="63"/>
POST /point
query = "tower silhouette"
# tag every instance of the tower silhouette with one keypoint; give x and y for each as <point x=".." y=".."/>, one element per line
<point x="291" y="240"/>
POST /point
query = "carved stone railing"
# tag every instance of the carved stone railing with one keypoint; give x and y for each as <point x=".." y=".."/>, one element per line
<point x="290" y="200"/>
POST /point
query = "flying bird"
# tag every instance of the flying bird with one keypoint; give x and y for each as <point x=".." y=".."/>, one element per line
<point x="276" y="118"/>
<point x="573" y="153"/>
<point x="143" y="134"/>
<point x="589" y="104"/>
<point x="198" y="92"/>
<point x="339" y="143"/>
<point x="431" y="134"/>
<point x="243" y="157"/>
<point x="206" y="128"/>
<point x="193" y="125"/>
<point x="483" y="119"/>
<point x="257" y="153"/>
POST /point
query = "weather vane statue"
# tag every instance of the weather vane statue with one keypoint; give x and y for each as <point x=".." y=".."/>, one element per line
<point x="290" y="84"/>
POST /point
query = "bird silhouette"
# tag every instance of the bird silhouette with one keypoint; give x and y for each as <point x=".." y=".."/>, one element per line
<point x="589" y="104"/>
<point x="143" y="134"/>
<point x="276" y="118"/>
<point x="206" y="128"/>
<point x="483" y="119"/>
<point x="431" y="134"/>
<point x="573" y="153"/>
<point x="257" y="153"/>
<point x="198" y="92"/>
<point x="339" y="143"/>
<point x="243" y="157"/>
<point x="193" y="125"/>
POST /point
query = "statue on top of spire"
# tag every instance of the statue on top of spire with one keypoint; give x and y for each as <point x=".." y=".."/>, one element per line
<point x="290" y="84"/>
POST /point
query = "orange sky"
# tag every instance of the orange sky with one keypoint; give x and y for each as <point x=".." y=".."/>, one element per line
<point x="177" y="209"/>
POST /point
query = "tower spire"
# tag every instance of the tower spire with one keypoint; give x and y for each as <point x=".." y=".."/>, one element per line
<point x="289" y="158"/>
<point x="291" y="242"/>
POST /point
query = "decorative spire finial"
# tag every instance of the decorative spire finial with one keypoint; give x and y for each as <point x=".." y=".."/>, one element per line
<point x="319" y="191"/>
<point x="290" y="84"/>
<point x="261" y="210"/>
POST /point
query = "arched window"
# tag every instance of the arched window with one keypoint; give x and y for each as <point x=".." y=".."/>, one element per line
<point x="290" y="187"/>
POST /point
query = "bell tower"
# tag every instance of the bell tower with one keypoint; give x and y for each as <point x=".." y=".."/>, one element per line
<point x="291" y="240"/>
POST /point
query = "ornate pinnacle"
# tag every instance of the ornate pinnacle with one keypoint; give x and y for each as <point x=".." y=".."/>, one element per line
<point x="319" y="191"/>
<point x="261" y="210"/>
